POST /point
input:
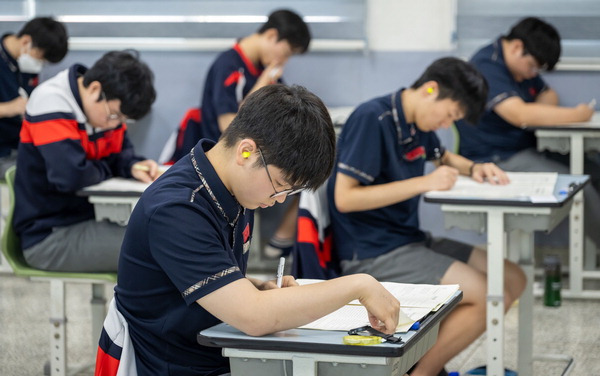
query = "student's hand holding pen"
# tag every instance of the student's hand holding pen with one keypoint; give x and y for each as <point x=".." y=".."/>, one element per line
<point x="489" y="172"/>
<point x="442" y="178"/>
<point x="585" y="111"/>
<point x="145" y="171"/>
<point x="286" y="281"/>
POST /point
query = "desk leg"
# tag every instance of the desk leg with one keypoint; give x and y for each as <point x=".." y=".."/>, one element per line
<point x="304" y="366"/>
<point x="576" y="220"/>
<point x="525" y="242"/>
<point x="495" y="297"/>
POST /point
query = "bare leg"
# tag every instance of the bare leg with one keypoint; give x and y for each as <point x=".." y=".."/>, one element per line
<point x="467" y="321"/>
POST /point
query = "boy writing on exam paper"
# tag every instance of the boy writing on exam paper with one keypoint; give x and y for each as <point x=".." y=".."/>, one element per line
<point x="185" y="253"/>
<point x="518" y="97"/>
<point x="74" y="135"/>
<point x="374" y="196"/>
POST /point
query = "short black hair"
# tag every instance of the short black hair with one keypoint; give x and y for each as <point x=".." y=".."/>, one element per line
<point x="292" y="128"/>
<point x="459" y="81"/>
<point x="125" y="77"/>
<point x="290" y="27"/>
<point x="49" y="36"/>
<point x="540" y="39"/>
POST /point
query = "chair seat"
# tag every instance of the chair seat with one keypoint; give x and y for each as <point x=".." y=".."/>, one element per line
<point x="26" y="271"/>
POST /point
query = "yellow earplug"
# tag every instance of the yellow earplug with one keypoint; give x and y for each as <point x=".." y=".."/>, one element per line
<point x="246" y="154"/>
<point x="430" y="90"/>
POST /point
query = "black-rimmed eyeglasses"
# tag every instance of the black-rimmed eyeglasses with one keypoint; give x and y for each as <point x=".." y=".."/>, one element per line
<point x="285" y="192"/>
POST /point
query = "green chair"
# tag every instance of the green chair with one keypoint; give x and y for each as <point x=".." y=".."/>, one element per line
<point x="11" y="248"/>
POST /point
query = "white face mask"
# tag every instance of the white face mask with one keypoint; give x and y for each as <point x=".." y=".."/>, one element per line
<point x="29" y="64"/>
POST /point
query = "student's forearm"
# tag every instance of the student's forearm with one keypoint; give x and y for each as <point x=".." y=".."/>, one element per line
<point x="262" y="312"/>
<point x="547" y="96"/>
<point x="542" y="114"/>
<point x="361" y="198"/>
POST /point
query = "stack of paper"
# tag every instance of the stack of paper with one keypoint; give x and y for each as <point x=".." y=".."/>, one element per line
<point x="533" y="186"/>
<point x="416" y="301"/>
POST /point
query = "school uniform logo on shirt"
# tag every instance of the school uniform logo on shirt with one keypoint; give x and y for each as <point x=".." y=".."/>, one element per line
<point x="415" y="154"/>
<point x="246" y="237"/>
<point x="34" y="81"/>
<point x="532" y="91"/>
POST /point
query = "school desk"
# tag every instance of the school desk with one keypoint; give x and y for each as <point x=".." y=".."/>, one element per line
<point x="519" y="217"/>
<point x="305" y="352"/>
<point x="576" y="139"/>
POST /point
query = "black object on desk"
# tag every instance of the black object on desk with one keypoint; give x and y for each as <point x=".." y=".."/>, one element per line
<point x="321" y="341"/>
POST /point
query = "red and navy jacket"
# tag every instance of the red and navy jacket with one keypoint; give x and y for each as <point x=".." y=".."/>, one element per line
<point x="59" y="154"/>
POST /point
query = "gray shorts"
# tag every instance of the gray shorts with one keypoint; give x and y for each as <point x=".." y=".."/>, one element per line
<point x="87" y="246"/>
<point x="421" y="262"/>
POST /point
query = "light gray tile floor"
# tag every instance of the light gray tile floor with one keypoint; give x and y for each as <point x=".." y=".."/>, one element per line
<point x="573" y="329"/>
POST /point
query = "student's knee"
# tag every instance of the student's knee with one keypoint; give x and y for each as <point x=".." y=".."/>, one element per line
<point x="515" y="282"/>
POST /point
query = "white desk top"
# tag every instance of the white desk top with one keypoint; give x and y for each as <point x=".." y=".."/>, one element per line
<point x="592" y="124"/>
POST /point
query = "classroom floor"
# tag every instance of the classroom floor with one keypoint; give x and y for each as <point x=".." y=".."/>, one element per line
<point x="571" y="329"/>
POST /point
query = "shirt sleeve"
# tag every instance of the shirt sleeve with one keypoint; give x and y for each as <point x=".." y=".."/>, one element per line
<point x="189" y="247"/>
<point x="501" y="84"/>
<point x="227" y="86"/>
<point x="360" y="147"/>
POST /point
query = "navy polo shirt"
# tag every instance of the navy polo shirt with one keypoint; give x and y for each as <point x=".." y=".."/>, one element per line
<point x="187" y="237"/>
<point x="11" y="79"/>
<point x="229" y="80"/>
<point x="495" y="139"/>
<point x="374" y="149"/>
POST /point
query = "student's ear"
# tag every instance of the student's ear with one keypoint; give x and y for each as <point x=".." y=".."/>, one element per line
<point x="517" y="47"/>
<point x="94" y="90"/>
<point x="24" y="40"/>
<point x="429" y="89"/>
<point x="271" y="35"/>
<point x="245" y="151"/>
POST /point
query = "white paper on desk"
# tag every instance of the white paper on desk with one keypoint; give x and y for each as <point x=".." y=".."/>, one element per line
<point x="416" y="301"/>
<point x="528" y="185"/>
<point x="118" y="185"/>
<point x="354" y="316"/>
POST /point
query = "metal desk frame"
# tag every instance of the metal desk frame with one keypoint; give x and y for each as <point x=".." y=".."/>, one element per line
<point x="519" y="220"/>
<point x="581" y="138"/>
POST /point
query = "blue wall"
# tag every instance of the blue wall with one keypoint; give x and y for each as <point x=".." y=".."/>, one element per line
<point x="340" y="79"/>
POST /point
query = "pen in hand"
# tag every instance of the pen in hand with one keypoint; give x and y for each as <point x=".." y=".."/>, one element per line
<point x="141" y="167"/>
<point x="280" y="271"/>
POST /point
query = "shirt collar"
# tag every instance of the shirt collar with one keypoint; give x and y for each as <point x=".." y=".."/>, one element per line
<point x="253" y="69"/>
<point x="221" y="197"/>
<point x="75" y="72"/>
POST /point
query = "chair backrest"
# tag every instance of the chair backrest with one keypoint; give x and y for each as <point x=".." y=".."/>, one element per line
<point x="314" y="253"/>
<point x="11" y="247"/>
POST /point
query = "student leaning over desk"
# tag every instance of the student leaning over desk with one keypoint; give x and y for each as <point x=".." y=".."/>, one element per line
<point x="74" y="135"/>
<point x="22" y="57"/>
<point x="374" y="197"/>
<point x="518" y="96"/>
<point x="185" y="253"/>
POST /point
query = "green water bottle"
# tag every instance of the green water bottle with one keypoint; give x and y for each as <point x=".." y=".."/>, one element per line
<point x="552" y="281"/>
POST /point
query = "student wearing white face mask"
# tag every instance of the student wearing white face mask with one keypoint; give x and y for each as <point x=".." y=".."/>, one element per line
<point x="22" y="57"/>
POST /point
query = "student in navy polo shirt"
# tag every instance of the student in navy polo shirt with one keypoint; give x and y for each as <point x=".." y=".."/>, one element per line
<point x="254" y="61"/>
<point x="74" y="135"/>
<point x="22" y="56"/>
<point x="375" y="189"/>
<point x="518" y="96"/>
<point x="185" y="253"/>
